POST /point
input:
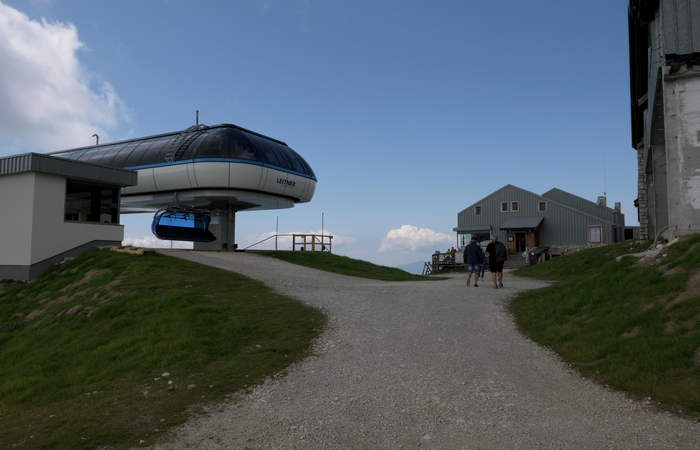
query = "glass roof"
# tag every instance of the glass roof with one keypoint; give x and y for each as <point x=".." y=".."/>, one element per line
<point x="220" y="142"/>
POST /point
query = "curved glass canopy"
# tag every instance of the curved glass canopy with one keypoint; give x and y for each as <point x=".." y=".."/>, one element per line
<point x="216" y="143"/>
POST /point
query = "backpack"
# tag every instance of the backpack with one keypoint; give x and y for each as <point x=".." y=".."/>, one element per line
<point x="501" y="252"/>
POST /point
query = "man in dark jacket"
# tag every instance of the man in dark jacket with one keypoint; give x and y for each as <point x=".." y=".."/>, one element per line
<point x="473" y="258"/>
<point x="497" y="253"/>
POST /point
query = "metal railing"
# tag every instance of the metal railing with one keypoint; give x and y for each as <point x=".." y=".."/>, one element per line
<point x="324" y="242"/>
<point x="303" y="242"/>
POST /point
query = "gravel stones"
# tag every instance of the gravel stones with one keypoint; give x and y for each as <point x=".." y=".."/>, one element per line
<point x="420" y="364"/>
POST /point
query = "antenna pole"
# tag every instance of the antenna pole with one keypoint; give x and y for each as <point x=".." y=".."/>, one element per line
<point x="605" y="175"/>
<point x="197" y="117"/>
<point x="97" y="139"/>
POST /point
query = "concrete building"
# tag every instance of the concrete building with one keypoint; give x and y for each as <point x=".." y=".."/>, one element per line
<point x="557" y="219"/>
<point x="53" y="208"/>
<point x="664" y="39"/>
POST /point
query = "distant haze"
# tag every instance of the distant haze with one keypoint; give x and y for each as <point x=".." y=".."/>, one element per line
<point x="414" y="267"/>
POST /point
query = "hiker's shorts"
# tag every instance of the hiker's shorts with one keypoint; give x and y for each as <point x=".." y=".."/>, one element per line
<point x="474" y="268"/>
<point x="497" y="266"/>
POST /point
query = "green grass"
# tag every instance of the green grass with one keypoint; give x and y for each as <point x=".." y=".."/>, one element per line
<point x="345" y="266"/>
<point x="94" y="377"/>
<point x="618" y="323"/>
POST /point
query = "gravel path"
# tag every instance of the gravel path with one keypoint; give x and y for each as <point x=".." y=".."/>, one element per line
<point x="421" y="364"/>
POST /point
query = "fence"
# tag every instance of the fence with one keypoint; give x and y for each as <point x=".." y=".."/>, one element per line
<point x="303" y="242"/>
<point x="324" y="242"/>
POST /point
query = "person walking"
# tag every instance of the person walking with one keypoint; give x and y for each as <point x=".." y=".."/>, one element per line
<point x="497" y="254"/>
<point x="473" y="258"/>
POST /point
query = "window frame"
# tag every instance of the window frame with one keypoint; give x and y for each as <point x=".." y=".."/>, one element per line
<point x="514" y="206"/>
<point x="540" y="207"/>
<point x="115" y="202"/>
<point x="600" y="234"/>
<point x="477" y="210"/>
<point x="507" y="209"/>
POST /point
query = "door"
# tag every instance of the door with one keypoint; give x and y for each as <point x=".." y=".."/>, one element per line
<point x="520" y="244"/>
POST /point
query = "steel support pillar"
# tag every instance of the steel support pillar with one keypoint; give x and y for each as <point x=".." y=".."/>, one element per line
<point x="223" y="226"/>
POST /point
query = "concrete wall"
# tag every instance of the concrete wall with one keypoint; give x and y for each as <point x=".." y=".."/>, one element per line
<point x="51" y="234"/>
<point x="657" y="179"/>
<point x="16" y="193"/>
<point x="642" y="197"/>
<point x="669" y="149"/>
<point x="33" y="232"/>
<point x="682" y="125"/>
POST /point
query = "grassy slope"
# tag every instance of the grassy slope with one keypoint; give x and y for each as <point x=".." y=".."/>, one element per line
<point x="618" y="322"/>
<point x="93" y="377"/>
<point x="346" y="266"/>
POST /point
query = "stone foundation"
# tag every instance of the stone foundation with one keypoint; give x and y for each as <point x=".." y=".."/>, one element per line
<point x="642" y="199"/>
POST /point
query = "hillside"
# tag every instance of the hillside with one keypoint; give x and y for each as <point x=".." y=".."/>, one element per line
<point x="345" y="266"/>
<point x="632" y="325"/>
<point x="112" y="349"/>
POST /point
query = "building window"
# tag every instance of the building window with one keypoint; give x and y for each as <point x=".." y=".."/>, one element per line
<point x="91" y="203"/>
<point x="504" y="206"/>
<point x="594" y="234"/>
<point x="514" y="206"/>
<point x="543" y="206"/>
<point x="477" y="210"/>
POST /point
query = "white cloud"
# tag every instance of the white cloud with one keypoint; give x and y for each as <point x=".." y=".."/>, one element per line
<point x="412" y="238"/>
<point x="285" y="242"/>
<point x="46" y="97"/>
<point x="154" y="242"/>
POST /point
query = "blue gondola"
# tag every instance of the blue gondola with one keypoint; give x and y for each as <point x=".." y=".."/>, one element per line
<point x="182" y="226"/>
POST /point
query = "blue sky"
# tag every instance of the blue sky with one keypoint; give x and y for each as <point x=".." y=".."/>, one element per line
<point x="407" y="111"/>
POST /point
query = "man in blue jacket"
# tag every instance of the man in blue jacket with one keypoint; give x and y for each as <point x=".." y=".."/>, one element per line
<point x="473" y="258"/>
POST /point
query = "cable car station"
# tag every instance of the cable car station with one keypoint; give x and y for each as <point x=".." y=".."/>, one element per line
<point x="194" y="181"/>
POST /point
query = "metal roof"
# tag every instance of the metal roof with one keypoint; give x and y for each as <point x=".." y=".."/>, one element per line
<point x="77" y="170"/>
<point x="469" y="228"/>
<point x="223" y="142"/>
<point x="522" y="223"/>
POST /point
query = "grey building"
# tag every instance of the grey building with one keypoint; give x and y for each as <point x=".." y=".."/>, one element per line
<point x="523" y="219"/>
<point x="55" y="208"/>
<point x="664" y="40"/>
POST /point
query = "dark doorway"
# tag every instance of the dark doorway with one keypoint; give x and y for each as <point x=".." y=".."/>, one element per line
<point x="520" y="242"/>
